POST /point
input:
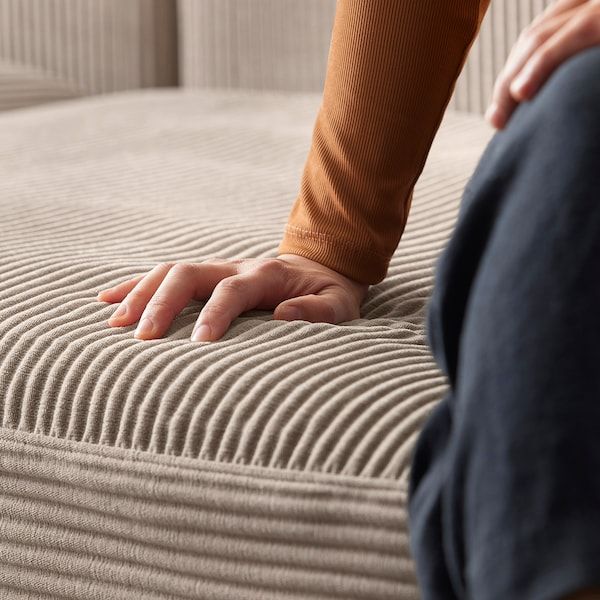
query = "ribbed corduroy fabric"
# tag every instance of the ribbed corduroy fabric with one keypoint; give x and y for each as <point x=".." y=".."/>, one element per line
<point x="284" y="44"/>
<point x="255" y="44"/>
<point x="21" y="86"/>
<point x="91" y="46"/>
<point x="271" y="464"/>
<point x="391" y="71"/>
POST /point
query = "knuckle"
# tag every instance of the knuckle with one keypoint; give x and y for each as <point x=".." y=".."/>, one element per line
<point x="534" y="35"/>
<point x="270" y="268"/>
<point x="183" y="269"/>
<point x="535" y="38"/>
<point x="231" y="285"/>
<point x="588" y="25"/>
<point x="540" y="61"/>
<point x="134" y="302"/>
<point x="160" y="306"/>
<point x="166" y="265"/>
<point x="212" y="313"/>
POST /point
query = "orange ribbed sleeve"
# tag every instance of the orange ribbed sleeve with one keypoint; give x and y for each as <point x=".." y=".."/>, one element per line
<point x="391" y="71"/>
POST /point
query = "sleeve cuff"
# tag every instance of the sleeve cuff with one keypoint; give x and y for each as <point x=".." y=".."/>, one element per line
<point x="361" y="265"/>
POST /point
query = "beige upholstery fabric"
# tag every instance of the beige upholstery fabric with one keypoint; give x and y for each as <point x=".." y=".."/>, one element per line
<point x="272" y="464"/>
<point x="256" y="44"/>
<point x="283" y="44"/>
<point x="106" y="45"/>
<point x="89" y="46"/>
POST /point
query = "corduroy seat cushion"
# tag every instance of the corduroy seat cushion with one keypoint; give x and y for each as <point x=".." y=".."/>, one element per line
<point x="271" y="464"/>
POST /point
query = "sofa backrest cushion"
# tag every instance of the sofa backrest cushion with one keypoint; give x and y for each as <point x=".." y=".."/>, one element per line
<point x="284" y="44"/>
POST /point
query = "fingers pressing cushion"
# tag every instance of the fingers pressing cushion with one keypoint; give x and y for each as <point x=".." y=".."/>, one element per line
<point x="170" y="298"/>
<point x="231" y="297"/>
<point x="119" y="291"/>
<point x="136" y="300"/>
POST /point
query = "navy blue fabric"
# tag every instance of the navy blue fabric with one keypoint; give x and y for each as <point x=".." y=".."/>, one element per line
<point x="504" y="499"/>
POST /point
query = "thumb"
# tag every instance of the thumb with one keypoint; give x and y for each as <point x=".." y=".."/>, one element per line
<point x="324" y="307"/>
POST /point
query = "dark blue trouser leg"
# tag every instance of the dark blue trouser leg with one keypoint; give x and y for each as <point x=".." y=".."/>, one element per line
<point x="505" y="481"/>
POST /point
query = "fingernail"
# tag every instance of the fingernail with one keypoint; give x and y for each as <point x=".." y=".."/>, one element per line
<point x="145" y="327"/>
<point x="201" y="333"/>
<point x="120" y="312"/>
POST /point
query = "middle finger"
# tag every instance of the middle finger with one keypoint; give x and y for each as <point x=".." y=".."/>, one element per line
<point x="169" y="299"/>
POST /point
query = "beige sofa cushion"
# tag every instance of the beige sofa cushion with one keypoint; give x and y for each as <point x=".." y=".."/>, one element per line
<point x="271" y="464"/>
<point x="283" y="44"/>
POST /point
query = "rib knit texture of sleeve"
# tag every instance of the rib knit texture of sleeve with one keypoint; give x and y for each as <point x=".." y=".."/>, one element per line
<point x="391" y="71"/>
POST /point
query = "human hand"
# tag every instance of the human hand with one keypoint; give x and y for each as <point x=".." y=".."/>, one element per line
<point x="234" y="286"/>
<point x="562" y="30"/>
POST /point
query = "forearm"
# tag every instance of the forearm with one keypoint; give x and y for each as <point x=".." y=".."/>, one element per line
<point x="392" y="67"/>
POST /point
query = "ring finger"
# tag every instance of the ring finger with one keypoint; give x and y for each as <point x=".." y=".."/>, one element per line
<point x="169" y="299"/>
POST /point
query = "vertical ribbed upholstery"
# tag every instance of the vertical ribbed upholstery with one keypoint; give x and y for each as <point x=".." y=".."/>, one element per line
<point x="100" y="46"/>
<point x="284" y="44"/>
<point x="258" y="44"/>
<point x="94" y="46"/>
<point x="20" y="87"/>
